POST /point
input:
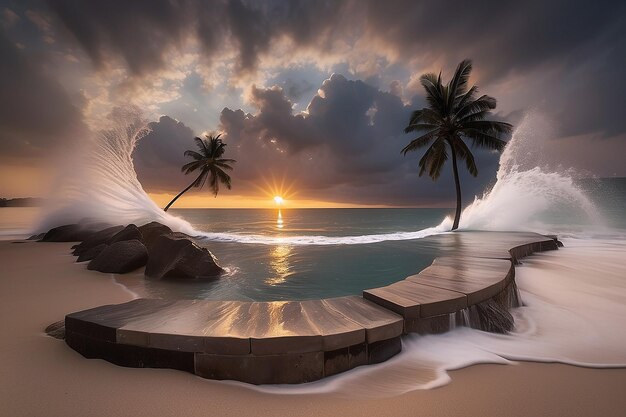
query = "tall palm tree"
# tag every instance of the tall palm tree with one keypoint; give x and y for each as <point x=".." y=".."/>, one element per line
<point x="210" y="163"/>
<point x="454" y="115"/>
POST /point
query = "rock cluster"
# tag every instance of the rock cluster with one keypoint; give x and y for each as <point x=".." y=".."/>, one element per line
<point x="118" y="249"/>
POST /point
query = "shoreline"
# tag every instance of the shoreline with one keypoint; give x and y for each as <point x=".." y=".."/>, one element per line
<point x="35" y="294"/>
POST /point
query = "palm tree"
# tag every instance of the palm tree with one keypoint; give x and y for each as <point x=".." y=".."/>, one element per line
<point x="454" y="115"/>
<point x="210" y="163"/>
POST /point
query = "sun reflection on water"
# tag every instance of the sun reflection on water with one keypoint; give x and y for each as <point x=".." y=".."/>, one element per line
<point x="279" y="263"/>
<point x="279" y="221"/>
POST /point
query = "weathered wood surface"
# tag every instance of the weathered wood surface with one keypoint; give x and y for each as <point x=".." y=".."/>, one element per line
<point x="299" y="341"/>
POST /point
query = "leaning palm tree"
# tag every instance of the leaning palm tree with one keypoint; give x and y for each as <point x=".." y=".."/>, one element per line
<point x="454" y="115"/>
<point x="210" y="163"/>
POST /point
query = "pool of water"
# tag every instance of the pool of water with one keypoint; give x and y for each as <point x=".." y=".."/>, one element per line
<point x="273" y="270"/>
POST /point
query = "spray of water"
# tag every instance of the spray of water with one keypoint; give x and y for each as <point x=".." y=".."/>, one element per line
<point x="529" y="193"/>
<point x="574" y="317"/>
<point x="101" y="185"/>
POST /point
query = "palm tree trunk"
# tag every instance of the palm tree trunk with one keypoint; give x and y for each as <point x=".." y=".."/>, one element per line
<point x="181" y="193"/>
<point x="457" y="215"/>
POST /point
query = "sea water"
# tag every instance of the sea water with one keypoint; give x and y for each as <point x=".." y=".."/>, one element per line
<point x="574" y="298"/>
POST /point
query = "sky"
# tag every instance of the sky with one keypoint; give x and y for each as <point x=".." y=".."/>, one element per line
<point x="311" y="97"/>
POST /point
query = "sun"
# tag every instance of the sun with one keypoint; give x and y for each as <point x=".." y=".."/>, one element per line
<point x="278" y="200"/>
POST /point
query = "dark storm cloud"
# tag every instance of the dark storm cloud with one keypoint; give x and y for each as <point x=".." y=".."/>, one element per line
<point x="36" y="114"/>
<point x="342" y="150"/>
<point x="141" y="31"/>
<point x="565" y="56"/>
<point x="582" y="40"/>
<point x="159" y="155"/>
<point x="347" y="148"/>
<point x="136" y="31"/>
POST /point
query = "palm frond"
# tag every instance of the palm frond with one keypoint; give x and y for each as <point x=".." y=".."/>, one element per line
<point x="416" y="117"/>
<point x="424" y="160"/>
<point x="224" y="178"/>
<point x="484" y="140"/>
<point x="201" y="146"/>
<point x="223" y="165"/>
<point x="191" y="166"/>
<point x="420" y="142"/>
<point x="474" y="117"/>
<point x="434" y="93"/>
<point x="213" y="183"/>
<point x="199" y="182"/>
<point x="433" y="159"/>
<point x="419" y="126"/>
<point x="462" y="100"/>
<point x="489" y="126"/>
<point x="464" y="153"/>
<point x="482" y="103"/>
<point x="439" y="157"/>
<point x="458" y="84"/>
<point x="193" y="154"/>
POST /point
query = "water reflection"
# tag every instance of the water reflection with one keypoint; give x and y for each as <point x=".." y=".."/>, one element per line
<point x="279" y="221"/>
<point x="279" y="264"/>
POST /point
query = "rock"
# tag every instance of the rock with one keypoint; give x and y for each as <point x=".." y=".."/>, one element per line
<point x="67" y="233"/>
<point x="91" y="253"/>
<point x="120" y="257"/>
<point x="130" y="232"/>
<point x="56" y="330"/>
<point x="176" y="257"/>
<point x="96" y="239"/>
<point x="151" y="231"/>
<point x="37" y="237"/>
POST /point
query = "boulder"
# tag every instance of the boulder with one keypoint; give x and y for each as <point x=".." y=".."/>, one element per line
<point x="56" y="330"/>
<point x="96" y="239"/>
<point x="67" y="233"/>
<point x="130" y="232"/>
<point x="37" y="236"/>
<point x="120" y="257"/>
<point x="174" y="256"/>
<point x="89" y="254"/>
<point x="151" y="231"/>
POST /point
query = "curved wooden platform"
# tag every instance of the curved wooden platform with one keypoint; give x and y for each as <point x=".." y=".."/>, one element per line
<point x="299" y="341"/>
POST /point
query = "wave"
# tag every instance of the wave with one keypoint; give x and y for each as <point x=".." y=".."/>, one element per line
<point x="99" y="183"/>
<point x="529" y="194"/>
<point x="321" y="240"/>
<point x="575" y="299"/>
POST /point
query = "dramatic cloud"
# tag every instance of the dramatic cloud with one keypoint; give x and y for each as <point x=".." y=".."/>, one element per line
<point x="260" y="72"/>
<point x="36" y="114"/>
<point x="346" y="147"/>
<point x="159" y="155"/>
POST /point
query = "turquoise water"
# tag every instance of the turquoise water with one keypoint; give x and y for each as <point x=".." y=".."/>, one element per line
<point x="288" y="271"/>
<point x="316" y="253"/>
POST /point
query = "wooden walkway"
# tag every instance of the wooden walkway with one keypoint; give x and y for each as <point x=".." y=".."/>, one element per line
<point x="301" y="341"/>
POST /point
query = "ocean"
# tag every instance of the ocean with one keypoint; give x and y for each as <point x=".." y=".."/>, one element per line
<point x="574" y="298"/>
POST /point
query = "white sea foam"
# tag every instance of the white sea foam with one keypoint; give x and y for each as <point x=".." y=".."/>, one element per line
<point x="99" y="181"/>
<point x="321" y="240"/>
<point x="530" y="193"/>
<point x="575" y="298"/>
<point x="575" y="307"/>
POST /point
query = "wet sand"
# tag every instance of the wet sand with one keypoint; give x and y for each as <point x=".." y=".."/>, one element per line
<point x="41" y="376"/>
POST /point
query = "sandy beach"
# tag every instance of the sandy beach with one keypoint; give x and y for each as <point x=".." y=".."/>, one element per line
<point x="41" y="376"/>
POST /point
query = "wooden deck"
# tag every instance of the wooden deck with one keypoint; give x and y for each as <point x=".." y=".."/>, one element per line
<point x="301" y="341"/>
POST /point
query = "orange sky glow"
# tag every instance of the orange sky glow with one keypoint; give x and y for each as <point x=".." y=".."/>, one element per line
<point x="202" y="200"/>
